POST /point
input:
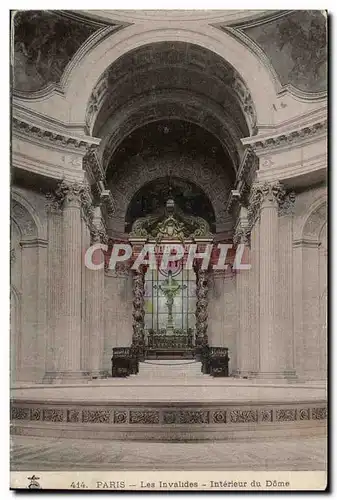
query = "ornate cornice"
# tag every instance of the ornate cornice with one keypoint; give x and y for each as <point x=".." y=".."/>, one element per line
<point x="244" y="175"/>
<point x="93" y="165"/>
<point x="259" y="145"/>
<point x="54" y="137"/>
<point x="247" y="164"/>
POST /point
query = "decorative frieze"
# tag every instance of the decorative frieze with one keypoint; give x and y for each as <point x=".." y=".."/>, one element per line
<point x="35" y="414"/>
<point x="18" y="413"/>
<point x="120" y="417"/>
<point x="319" y="413"/>
<point x="73" y="416"/>
<point x="285" y="415"/>
<point x="186" y="417"/>
<point x="303" y="414"/>
<point x="144" y="417"/>
<point x="52" y="415"/>
<point x="221" y="415"/>
<point x="266" y="415"/>
<point x="243" y="416"/>
<point x="96" y="416"/>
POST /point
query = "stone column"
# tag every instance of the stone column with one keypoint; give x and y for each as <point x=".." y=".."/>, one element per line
<point x="244" y="341"/>
<point x="266" y="199"/>
<point x="254" y="298"/>
<point x="55" y="281"/>
<point x="285" y="302"/>
<point x="68" y="340"/>
<point x="96" y="298"/>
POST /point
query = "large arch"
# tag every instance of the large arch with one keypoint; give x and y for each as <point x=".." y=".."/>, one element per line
<point x="211" y="178"/>
<point x="25" y="215"/>
<point x="81" y="80"/>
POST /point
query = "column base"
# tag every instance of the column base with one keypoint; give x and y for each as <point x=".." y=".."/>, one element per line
<point x="244" y="374"/>
<point x="97" y="374"/>
<point x="66" y="377"/>
<point x="288" y="375"/>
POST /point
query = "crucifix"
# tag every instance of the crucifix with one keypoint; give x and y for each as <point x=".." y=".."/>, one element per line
<point x="170" y="289"/>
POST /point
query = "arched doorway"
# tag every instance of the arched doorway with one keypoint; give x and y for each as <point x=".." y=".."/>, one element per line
<point x="170" y="308"/>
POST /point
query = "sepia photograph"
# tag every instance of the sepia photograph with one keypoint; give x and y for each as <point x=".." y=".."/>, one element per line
<point x="168" y="250"/>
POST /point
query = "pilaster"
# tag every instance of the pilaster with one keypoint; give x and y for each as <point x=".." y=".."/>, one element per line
<point x="244" y="341"/>
<point x="95" y="289"/>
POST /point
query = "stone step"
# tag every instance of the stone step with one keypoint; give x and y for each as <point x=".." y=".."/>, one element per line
<point x="170" y="368"/>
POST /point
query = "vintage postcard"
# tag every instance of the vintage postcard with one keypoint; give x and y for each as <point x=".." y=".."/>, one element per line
<point x="169" y="250"/>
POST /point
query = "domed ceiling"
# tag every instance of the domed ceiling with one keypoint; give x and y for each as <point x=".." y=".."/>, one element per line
<point x="45" y="42"/>
<point x="294" y="44"/>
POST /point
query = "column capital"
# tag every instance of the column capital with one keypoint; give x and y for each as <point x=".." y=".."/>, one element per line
<point x="269" y="192"/>
<point x="53" y="203"/>
<point x="71" y="194"/>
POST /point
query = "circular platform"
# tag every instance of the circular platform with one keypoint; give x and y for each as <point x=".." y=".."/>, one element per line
<point x="191" y="409"/>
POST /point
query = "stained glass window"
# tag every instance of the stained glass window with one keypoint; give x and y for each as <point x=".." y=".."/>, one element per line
<point x="183" y="283"/>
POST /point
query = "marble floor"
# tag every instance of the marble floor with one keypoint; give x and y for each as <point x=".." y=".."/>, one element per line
<point x="193" y="391"/>
<point x="35" y="453"/>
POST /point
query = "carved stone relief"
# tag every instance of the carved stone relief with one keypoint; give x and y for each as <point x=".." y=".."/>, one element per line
<point x="211" y="178"/>
<point x="24" y="220"/>
<point x="315" y="222"/>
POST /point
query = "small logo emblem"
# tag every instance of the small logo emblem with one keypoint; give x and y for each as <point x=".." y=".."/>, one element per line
<point x="34" y="485"/>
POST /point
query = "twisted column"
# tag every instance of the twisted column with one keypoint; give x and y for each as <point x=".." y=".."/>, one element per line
<point x="138" y="312"/>
<point x="201" y="314"/>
